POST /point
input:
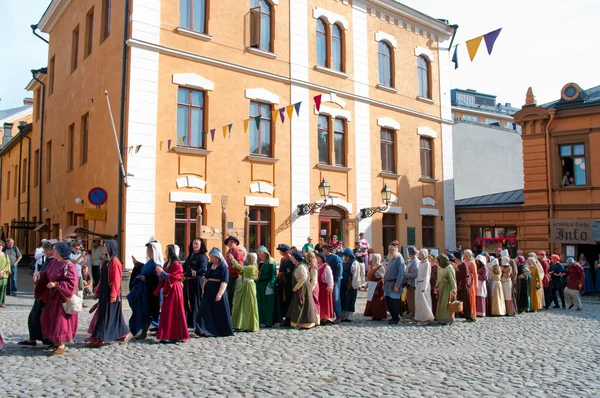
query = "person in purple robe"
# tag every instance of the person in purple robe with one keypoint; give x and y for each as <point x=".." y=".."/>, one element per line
<point x="57" y="284"/>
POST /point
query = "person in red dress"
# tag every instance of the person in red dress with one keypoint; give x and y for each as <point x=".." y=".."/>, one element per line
<point x="375" y="300"/>
<point x="172" y="327"/>
<point x="325" y="281"/>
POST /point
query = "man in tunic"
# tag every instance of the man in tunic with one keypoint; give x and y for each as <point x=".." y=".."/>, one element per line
<point x="411" y="279"/>
<point x="284" y="281"/>
<point x="335" y="263"/>
<point x="575" y="283"/>
<point x="557" y="272"/>
<point x="233" y="253"/>
<point x="393" y="283"/>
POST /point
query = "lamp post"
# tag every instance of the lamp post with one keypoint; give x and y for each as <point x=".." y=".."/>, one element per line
<point x="386" y="196"/>
<point x="307" y="208"/>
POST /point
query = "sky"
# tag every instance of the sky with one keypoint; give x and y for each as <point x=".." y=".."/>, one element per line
<point x="544" y="44"/>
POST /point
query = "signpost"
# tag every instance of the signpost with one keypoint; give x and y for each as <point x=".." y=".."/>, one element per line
<point x="97" y="197"/>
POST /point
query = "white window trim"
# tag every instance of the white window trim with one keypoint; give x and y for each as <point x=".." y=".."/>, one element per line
<point x="190" y="197"/>
<point x="394" y="210"/>
<point x="382" y="36"/>
<point x="262" y="95"/>
<point x="424" y="52"/>
<point x="429" y="212"/>
<point x="191" y="182"/>
<point x="332" y="98"/>
<point x="330" y="17"/>
<point x="192" y="80"/>
<point x="388" y="122"/>
<point x="334" y="201"/>
<point x="428" y="201"/>
<point x="262" y="187"/>
<point x="334" y="113"/>
<point x="261" y="201"/>
<point x="426" y="132"/>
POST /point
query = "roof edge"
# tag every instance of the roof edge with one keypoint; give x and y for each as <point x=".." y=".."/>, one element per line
<point x="52" y="14"/>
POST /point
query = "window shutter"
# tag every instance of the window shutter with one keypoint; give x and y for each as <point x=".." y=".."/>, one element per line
<point x="255" y="27"/>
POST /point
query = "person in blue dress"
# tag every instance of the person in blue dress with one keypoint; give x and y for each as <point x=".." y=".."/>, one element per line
<point x="393" y="282"/>
<point x="588" y="282"/>
<point x="145" y="306"/>
<point x="596" y="266"/>
<point x="214" y="316"/>
<point x="336" y="269"/>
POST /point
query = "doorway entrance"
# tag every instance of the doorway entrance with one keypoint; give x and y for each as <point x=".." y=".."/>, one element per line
<point x="331" y="221"/>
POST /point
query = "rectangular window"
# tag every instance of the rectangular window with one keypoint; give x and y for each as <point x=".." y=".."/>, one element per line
<point x="323" y="138"/>
<point x="70" y="147"/>
<point x="261" y="24"/>
<point x="428" y="223"/>
<point x="192" y="15"/>
<point x="388" y="230"/>
<point x="51" y="77"/>
<point x="426" y="157"/>
<point x="89" y="32"/>
<point x="85" y="125"/>
<point x="36" y="104"/>
<point x="387" y="151"/>
<point x="190" y="118"/>
<point x="260" y="228"/>
<point x="8" y="185"/>
<point x="24" y="176"/>
<point x="470" y="118"/>
<point x="75" y="49"/>
<point x="260" y="135"/>
<point x="36" y="168"/>
<point x="49" y="161"/>
<point x="16" y="180"/>
<point x="495" y="122"/>
<point x="572" y="160"/>
<point x="106" y="9"/>
<point x="339" y="142"/>
<point x="185" y="226"/>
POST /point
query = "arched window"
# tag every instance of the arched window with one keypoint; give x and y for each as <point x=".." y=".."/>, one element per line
<point x="336" y="47"/>
<point x="424" y="77"/>
<point x="321" y="42"/>
<point x="385" y="64"/>
<point x="261" y="13"/>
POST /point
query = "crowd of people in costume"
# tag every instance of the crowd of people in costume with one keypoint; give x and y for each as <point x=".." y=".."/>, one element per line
<point x="215" y="295"/>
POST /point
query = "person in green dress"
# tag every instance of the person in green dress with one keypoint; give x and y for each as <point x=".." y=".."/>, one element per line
<point x="245" y="307"/>
<point x="446" y="284"/>
<point x="265" y="288"/>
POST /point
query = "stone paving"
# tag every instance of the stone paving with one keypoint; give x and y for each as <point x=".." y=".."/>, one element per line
<point x="551" y="353"/>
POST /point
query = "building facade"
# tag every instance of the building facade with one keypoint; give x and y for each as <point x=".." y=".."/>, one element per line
<point x="475" y="107"/>
<point x="382" y="73"/>
<point x="559" y="208"/>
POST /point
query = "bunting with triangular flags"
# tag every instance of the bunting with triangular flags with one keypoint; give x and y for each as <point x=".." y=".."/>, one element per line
<point x="473" y="46"/>
<point x="168" y="145"/>
<point x="229" y="126"/>
<point x="212" y="134"/>
<point x="180" y="141"/>
<point x="161" y="144"/>
<point x="273" y="116"/>
<point x="490" y="39"/>
<point x="130" y="149"/>
<point x="246" y="125"/>
<point x="257" y="121"/>
<point x="297" y="108"/>
<point x="317" y="99"/>
<point x="137" y="148"/>
<point x="282" y="114"/>
<point x="455" y="57"/>
<point x="224" y="131"/>
<point x="290" y="111"/>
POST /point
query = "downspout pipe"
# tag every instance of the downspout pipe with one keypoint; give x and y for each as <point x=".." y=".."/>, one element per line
<point x="122" y="126"/>
<point x="552" y="112"/>
<point x="27" y="211"/>
<point x="18" y="175"/>
<point x="33" y="30"/>
<point x="34" y="72"/>
<point x="455" y="27"/>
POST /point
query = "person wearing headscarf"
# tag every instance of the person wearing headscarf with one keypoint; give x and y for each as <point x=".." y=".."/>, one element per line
<point x="423" y="313"/>
<point x="57" y="284"/>
<point x="325" y="290"/>
<point x="410" y="276"/>
<point x="557" y="272"/>
<point x="284" y="281"/>
<point x="33" y="321"/>
<point x="109" y="324"/>
<point x="393" y="283"/>
<point x="482" y="277"/>
<point x="497" y="294"/>
<point x="535" y="284"/>
<point x="353" y="276"/>
<point x="433" y="280"/>
<point x="375" y="296"/>
<point x="523" y="288"/>
<point x="464" y="281"/>
<point x="245" y="307"/>
<point x="234" y="253"/>
<point x="266" y="286"/>
<point x="313" y="279"/>
<point x="545" y="264"/>
<point x="172" y="327"/>
<point x="301" y="311"/>
<point x="507" y="288"/>
<point x="145" y="306"/>
<point x="469" y="259"/>
<point x="214" y="317"/>
<point x="447" y="290"/>
<point x="193" y="270"/>
<point x="335" y="263"/>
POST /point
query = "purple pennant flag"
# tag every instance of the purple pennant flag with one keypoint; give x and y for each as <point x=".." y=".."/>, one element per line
<point x="490" y="39"/>
<point x="297" y="107"/>
<point x="282" y="114"/>
<point x="229" y="126"/>
<point x="212" y="134"/>
<point x="455" y="57"/>
<point x="169" y="145"/>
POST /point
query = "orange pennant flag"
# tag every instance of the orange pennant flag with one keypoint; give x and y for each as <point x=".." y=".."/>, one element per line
<point x="274" y="115"/>
<point x="473" y="46"/>
<point x="180" y="141"/>
<point x="290" y="111"/>
<point x="246" y="125"/>
<point x="225" y="131"/>
<point x="161" y="144"/>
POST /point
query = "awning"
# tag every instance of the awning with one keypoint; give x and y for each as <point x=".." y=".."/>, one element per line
<point x="76" y="229"/>
<point x="42" y="228"/>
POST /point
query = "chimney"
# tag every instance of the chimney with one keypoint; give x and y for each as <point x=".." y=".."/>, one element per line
<point x="28" y="101"/>
<point x="7" y="133"/>
<point x="508" y="105"/>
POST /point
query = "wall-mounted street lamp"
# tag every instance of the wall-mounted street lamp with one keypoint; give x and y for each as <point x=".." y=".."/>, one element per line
<point x="386" y="196"/>
<point x="307" y="208"/>
<point x="79" y="201"/>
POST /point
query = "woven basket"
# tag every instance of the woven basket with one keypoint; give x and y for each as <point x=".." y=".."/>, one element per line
<point x="456" y="306"/>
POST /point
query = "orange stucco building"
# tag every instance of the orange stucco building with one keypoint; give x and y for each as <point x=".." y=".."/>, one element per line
<point x="381" y="69"/>
<point x="559" y="209"/>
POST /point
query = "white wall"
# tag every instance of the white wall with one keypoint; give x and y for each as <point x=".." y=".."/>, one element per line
<point x="486" y="160"/>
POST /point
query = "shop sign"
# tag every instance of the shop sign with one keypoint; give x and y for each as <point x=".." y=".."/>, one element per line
<point x="572" y="231"/>
<point x="95" y="214"/>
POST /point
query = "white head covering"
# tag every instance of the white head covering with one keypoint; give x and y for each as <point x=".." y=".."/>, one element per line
<point x="504" y="253"/>
<point x="505" y="260"/>
<point x="177" y="250"/>
<point x="252" y="259"/>
<point x="494" y="262"/>
<point x="425" y="254"/>
<point x="482" y="259"/>
<point x="377" y="258"/>
<point x="158" y="254"/>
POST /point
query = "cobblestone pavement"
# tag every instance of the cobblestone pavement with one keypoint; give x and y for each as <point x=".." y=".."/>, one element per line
<point x="551" y="353"/>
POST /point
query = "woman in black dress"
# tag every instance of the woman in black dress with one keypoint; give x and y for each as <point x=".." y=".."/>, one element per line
<point x="194" y="269"/>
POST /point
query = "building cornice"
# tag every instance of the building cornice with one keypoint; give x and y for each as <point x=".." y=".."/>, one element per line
<point x="16" y="116"/>
<point x="33" y="84"/>
<point x="480" y="112"/>
<point x="52" y="14"/>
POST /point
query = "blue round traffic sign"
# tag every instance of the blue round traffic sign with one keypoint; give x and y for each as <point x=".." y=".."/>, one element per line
<point x="97" y="196"/>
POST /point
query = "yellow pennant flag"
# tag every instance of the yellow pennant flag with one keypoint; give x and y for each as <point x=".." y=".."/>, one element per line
<point x="473" y="46"/>
<point x="180" y="141"/>
<point x="224" y="131"/>
<point x="290" y="111"/>
<point x="274" y="115"/>
<point x="161" y="144"/>
<point x="246" y="125"/>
